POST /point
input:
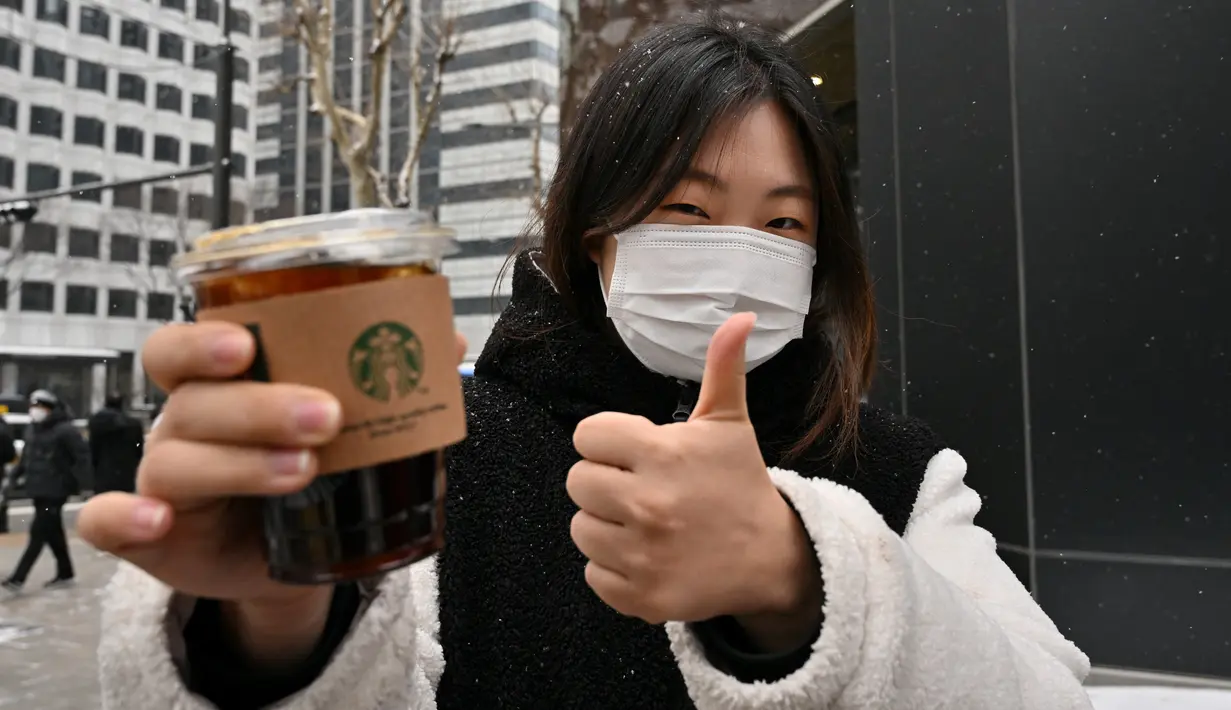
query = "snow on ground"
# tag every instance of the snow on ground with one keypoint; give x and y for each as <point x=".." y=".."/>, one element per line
<point x="1146" y="698"/>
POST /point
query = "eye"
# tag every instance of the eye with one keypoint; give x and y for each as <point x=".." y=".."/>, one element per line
<point x="685" y="208"/>
<point x="787" y="223"/>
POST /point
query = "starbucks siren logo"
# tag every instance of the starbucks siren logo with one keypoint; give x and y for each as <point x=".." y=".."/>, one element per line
<point x="386" y="358"/>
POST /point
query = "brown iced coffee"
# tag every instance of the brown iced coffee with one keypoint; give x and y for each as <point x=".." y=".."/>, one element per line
<point x="352" y="303"/>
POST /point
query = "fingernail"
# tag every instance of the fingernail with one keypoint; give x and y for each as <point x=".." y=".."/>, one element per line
<point x="149" y="516"/>
<point x="232" y="348"/>
<point x="317" y="416"/>
<point x="291" y="463"/>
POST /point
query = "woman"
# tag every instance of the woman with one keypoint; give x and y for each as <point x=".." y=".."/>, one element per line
<point x="698" y="230"/>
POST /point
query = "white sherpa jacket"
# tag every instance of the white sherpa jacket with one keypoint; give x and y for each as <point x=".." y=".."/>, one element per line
<point x="932" y="619"/>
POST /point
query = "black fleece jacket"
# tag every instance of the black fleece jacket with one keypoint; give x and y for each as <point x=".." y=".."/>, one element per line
<point x="519" y="626"/>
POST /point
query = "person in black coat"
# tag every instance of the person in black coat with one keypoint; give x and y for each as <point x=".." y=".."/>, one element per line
<point x="54" y="463"/>
<point x="8" y="445"/>
<point x="8" y="452"/>
<point x="116" y="443"/>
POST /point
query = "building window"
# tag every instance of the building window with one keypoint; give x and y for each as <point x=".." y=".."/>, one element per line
<point x="125" y="249"/>
<point x="169" y="98"/>
<point x="207" y="10"/>
<point x="267" y="166"/>
<point x="128" y="196"/>
<point x="40" y="176"/>
<point x="286" y="168"/>
<point x="10" y="54"/>
<point x="8" y="172"/>
<point x="52" y="11"/>
<point x="40" y="238"/>
<point x="239" y="116"/>
<point x="269" y="97"/>
<point x="88" y="131"/>
<point x="91" y="76"/>
<point x="129" y="139"/>
<point x="239" y="212"/>
<point x="174" y="4"/>
<point x="49" y="64"/>
<point x="242" y="70"/>
<point x="135" y="35"/>
<point x="81" y="300"/>
<point x="83" y="243"/>
<point x="167" y="149"/>
<point x="18" y="6"/>
<point x="95" y="21"/>
<point x="121" y="303"/>
<point x="198" y="206"/>
<point x="161" y="251"/>
<point x="199" y="154"/>
<point x="203" y="107"/>
<point x="131" y="88"/>
<point x="203" y="56"/>
<point x="46" y="121"/>
<point x="339" y="197"/>
<point x="8" y="112"/>
<point x="165" y="200"/>
<point x="171" y="46"/>
<point x="239" y="165"/>
<point x="160" y="306"/>
<point x="38" y="296"/>
<point x="86" y="178"/>
<point x="241" y="22"/>
<point x="268" y="132"/>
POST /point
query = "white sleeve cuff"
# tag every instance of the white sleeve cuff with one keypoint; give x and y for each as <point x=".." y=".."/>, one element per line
<point x="143" y="623"/>
<point x="836" y="652"/>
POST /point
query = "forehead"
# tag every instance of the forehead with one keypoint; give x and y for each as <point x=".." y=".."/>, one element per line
<point x="760" y="145"/>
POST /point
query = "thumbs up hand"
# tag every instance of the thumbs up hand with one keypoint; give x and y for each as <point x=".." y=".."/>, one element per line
<point x="681" y="522"/>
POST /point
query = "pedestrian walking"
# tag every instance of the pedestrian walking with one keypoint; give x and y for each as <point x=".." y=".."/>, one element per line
<point x="8" y="452"/>
<point x="8" y="445"/>
<point x="116" y="442"/>
<point x="54" y="463"/>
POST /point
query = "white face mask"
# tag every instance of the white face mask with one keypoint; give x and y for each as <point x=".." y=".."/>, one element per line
<point x="674" y="285"/>
<point x="38" y="414"/>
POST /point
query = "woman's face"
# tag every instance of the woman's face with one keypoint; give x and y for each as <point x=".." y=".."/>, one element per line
<point x="748" y="172"/>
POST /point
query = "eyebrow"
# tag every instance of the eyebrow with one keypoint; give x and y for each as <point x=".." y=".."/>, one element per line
<point x="698" y="175"/>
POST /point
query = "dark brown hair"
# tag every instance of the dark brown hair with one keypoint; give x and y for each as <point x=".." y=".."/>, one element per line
<point x="637" y="133"/>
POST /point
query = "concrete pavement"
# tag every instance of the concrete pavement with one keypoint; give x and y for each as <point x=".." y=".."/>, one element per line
<point x="48" y="638"/>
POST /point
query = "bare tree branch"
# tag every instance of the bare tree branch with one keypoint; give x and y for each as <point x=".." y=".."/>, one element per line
<point x="148" y="229"/>
<point x="538" y="106"/>
<point x="355" y="134"/>
<point x="447" y="42"/>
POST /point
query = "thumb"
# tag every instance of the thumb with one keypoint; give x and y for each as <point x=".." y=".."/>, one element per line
<point x="723" y="393"/>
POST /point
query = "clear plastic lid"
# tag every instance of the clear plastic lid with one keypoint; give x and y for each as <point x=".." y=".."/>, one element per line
<point x="369" y="236"/>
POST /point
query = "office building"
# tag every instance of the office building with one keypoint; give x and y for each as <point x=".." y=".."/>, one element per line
<point x="96" y="92"/>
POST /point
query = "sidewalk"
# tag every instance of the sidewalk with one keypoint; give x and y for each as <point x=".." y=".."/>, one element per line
<point x="1137" y="698"/>
<point x="48" y="639"/>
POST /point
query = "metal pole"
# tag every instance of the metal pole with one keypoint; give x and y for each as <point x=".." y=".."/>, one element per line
<point x="112" y="185"/>
<point x="222" y="123"/>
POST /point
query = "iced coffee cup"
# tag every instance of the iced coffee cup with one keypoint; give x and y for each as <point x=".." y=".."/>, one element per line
<point x="352" y="303"/>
